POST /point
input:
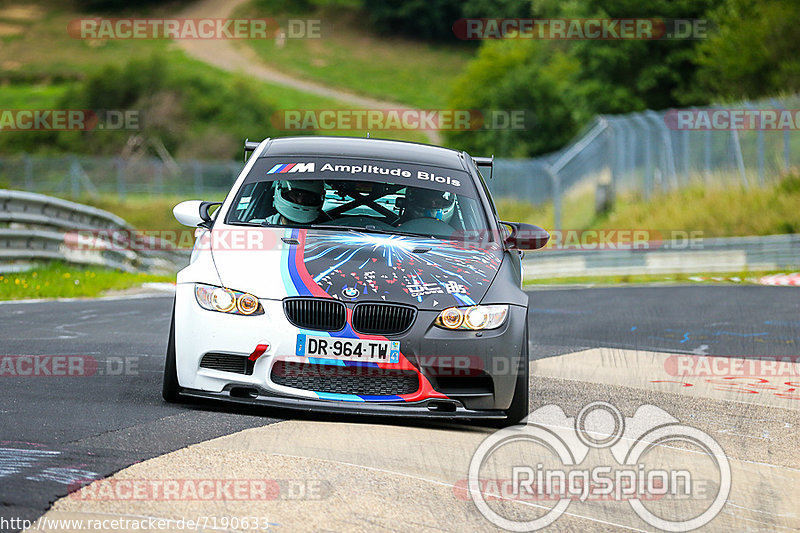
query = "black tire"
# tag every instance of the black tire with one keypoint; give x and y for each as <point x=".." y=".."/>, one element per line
<point x="519" y="408"/>
<point x="170" y="389"/>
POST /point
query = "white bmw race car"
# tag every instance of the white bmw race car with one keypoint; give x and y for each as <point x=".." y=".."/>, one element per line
<point x="354" y="275"/>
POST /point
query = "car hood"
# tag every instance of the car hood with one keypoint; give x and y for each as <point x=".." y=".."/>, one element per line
<point x="355" y="266"/>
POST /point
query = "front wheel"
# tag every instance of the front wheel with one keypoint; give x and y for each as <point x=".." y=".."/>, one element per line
<point x="519" y="403"/>
<point x="518" y="409"/>
<point x="170" y="389"/>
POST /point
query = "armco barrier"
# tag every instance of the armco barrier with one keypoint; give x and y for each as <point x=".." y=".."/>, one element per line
<point x="33" y="227"/>
<point x="730" y="254"/>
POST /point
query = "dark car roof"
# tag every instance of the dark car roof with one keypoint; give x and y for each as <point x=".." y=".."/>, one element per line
<point x="358" y="148"/>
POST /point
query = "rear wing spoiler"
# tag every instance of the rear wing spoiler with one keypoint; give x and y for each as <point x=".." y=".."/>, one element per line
<point x="485" y="162"/>
<point x="250" y="146"/>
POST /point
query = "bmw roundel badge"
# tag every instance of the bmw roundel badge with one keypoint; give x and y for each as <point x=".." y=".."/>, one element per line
<point x="350" y="292"/>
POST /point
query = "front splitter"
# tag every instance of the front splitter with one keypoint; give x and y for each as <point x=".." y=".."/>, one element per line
<point x="432" y="408"/>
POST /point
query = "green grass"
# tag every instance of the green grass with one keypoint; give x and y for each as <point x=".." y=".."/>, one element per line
<point x="41" y="64"/>
<point x="284" y="98"/>
<point x="577" y="211"/>
<point x="59" y="280"/>
<point x="46" y="50"/>
<point x="714" y="211"/>
<point x="145" y="212"/>
<point x="350" y="57"/>
<point x="29" y="96"/>
<point x="734" y="211"/>
<point x="722" y="278"/>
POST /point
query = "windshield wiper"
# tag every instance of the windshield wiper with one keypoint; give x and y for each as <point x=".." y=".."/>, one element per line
<point x="352" y="229"/>
<point x="370" y="229"/>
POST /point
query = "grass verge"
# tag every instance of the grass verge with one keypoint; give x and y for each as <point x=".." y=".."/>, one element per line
<point x="714" y="211"/>
<point x="350" y="57"/>
<point x="60" y="280"/>
<point x="198" y="111"/>
<point x="144" y="212"/>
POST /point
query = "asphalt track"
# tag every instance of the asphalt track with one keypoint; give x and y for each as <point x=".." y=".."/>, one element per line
<point x="56" y="429"/>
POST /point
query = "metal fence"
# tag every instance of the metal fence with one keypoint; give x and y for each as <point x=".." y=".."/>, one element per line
<point x="637" y="152"/>
<point x="76" y="176"/>
<point x="649" y="152"/>
<point x="728" y="254"/>
<point x="35" y="227"/>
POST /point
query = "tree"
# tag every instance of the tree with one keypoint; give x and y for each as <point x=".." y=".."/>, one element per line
<point x="533" y="76"/>
<point x="419" y="19"/>
<point x="754" y="53"/>
<point x="566" y="82"/>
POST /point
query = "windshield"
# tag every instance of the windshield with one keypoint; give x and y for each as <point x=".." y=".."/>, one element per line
<point x="383" y="197"/>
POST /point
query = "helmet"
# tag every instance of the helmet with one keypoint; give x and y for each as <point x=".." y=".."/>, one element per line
<point x="430" y="203"/>
<point x="300" y="200"/>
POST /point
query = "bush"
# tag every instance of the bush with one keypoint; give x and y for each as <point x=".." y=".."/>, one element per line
<point x="189" y="111"/>
<point x="420" y="19"/>
<point x="565" y="83"/>
<point x="754" y="53"/>
<point x="533" y="76"/>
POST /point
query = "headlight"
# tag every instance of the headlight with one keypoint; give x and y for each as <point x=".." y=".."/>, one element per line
<point x="227" y="300"/>
<point x="474" y="318"/>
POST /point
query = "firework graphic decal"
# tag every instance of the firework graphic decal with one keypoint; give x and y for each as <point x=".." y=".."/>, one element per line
<point x="398" y="268"/>
<point x="299" y="282"/>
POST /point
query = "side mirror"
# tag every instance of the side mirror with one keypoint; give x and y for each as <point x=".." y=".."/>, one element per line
<point x="525" y="236"/>
<point x="194" y="213"/>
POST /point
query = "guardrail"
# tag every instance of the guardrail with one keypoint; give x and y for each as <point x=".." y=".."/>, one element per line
<point x="730" y="254"/>
<point x="40" y="227"/>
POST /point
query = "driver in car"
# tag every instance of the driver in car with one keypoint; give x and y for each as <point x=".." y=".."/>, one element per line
<point x="428" y="203"/>
<point x="297" y="202"/>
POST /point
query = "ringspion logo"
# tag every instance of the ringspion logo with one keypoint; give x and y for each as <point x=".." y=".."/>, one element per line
<point x="673" y="476"/>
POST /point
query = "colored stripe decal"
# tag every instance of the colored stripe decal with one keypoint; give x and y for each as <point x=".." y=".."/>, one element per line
<point x="340" y="397"/>
<point x="324" y="361"/>
<point x="293" y="262"/>
<point x="298" y="282"/>
<point x="369" y="398"/>
<point x="360" y="363"/>
<point x="287" y="168"/>
<point x="258" y="352"/>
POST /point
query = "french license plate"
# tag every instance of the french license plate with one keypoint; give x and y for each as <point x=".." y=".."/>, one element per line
<point x="348" y="349"/>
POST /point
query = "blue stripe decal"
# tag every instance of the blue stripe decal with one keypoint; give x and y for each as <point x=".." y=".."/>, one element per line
<point x="369" y="398"/>
<point x="360" y="363"/>
<point x="339" y="397"/>
<point x="324" y="361"/>
<point x="299" y="286"/>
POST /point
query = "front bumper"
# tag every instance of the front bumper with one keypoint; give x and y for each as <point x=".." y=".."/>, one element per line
<point x="468" y="374"/>
<point x="433" y="408"/>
